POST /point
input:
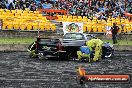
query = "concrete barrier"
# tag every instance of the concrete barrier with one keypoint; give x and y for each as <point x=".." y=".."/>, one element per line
<point x="27" y="34"/>
<point x="33" y="34"/>
<point x="23" y="47"/>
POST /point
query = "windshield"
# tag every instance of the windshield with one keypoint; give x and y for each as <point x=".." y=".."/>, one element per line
<point x="75" y="36"/>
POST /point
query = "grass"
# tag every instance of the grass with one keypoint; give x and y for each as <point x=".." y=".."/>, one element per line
<point x="120" y="42"/>
<point x="30" y="40"/>
<point x="16" y="40"/>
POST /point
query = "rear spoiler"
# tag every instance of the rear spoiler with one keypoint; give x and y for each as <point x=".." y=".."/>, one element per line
<point x="57" y="39"/>
<point x="46" y="38"/>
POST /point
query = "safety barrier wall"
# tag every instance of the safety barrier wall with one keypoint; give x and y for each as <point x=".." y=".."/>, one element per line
<point x="34" y="34"/>
<point x="27" y="34"/>
<point x="52" y="11"/>
<point x="64" y="12"/>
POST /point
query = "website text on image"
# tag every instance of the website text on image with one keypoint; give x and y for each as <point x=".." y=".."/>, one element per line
<point x="72" y="27"/>
<point x="101" y="78"/>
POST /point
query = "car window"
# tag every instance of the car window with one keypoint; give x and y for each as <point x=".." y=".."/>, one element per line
<point x="74" y="36"/>
<point x="89" y="37"/>
<point x="80" y="37"/>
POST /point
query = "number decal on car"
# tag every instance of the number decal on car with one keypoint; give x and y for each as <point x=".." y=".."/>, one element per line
<point x="45" y="47"/>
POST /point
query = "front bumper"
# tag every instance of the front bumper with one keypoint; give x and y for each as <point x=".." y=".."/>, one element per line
<point x="51" y="53"/>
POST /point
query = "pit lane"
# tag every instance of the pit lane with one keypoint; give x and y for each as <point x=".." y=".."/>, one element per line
<point x="17" y="70"/>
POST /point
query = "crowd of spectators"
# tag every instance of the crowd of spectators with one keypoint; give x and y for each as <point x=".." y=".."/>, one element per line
<point x="18" y="4"/>
<point x="99" y="8"/>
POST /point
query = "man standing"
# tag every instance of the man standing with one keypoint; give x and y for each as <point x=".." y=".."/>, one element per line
<point x="115" y="30"/>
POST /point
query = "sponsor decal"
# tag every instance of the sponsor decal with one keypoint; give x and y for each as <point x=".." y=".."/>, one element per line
<point x="69" y="27"/>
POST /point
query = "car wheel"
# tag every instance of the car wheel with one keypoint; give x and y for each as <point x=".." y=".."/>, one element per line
<point x="111" y="54"/>
<point x="70" y="56"/>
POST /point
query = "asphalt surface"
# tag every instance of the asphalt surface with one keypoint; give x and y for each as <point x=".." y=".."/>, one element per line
<point x="17" y="70"/>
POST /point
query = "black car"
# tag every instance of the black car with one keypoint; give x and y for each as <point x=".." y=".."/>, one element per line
<point x="73" y="41"/>
<point x="67" y="47"/>
<point x="49" y="48"/>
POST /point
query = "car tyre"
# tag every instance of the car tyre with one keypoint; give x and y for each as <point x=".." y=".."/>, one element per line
<point x="70" y="56"/>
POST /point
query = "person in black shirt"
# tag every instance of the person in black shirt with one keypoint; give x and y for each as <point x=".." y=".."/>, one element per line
<point x="115" y="30"/>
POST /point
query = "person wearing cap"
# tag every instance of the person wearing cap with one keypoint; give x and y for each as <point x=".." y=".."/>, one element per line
<point x="95" y="45"/>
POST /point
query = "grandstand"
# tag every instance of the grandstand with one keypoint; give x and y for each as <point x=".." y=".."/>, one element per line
<point x="25" y="20"/>
<point x="33" y="19"/>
